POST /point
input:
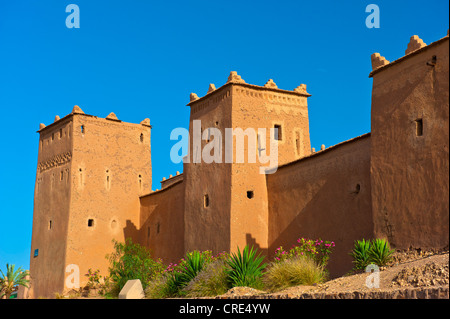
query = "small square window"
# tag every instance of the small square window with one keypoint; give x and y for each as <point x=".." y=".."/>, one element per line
<point x="90" y="222"/>
<point x="36" y="253"/>
<point x="250" y="194"/>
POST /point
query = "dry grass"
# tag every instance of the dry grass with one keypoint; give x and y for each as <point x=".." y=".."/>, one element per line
<point x="293" y="272"/>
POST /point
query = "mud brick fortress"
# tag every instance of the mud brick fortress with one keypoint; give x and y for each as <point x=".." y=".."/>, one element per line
<point x="94" y="177"/>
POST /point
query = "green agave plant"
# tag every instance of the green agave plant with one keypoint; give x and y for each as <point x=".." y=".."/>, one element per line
<point x="380" y="252"/>
<point x="245" y="269"/>
<point x="360" y="254"/>
<point x="194" y="264"/>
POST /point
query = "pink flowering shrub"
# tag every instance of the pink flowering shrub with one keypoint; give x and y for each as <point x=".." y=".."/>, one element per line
<point x="93" y="278"/>
<point x="318" y="250"/>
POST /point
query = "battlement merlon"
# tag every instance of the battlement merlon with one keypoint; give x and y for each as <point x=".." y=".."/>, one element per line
<point x="235" y="79"/>
<point x="415" y="46"/>
<point x="78" y="111"/>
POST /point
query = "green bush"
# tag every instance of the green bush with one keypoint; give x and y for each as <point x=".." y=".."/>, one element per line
<point x="160" y="287"/>
<point x="376" y="251"/>
<point x="193" y="264"/>
<point x="172" y="281"/>
<point x="245" y="269"/>
<point x="131" y="261"/>
<point x="318" y="250"/>
<point x="212" y="280"/>
<point x="294" y="271"/>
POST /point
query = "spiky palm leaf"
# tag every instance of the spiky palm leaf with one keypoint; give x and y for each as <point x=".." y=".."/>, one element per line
<point x="12" y="279"/>
<point x="245" y="268"/>
<point x="380" y="252"/>
<point x="360" y="254"/>
<point x="194" y="264"/>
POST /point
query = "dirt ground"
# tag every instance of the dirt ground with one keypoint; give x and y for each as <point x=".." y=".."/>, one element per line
<point x="413" y="274"/>
<point x="416" y="271"/>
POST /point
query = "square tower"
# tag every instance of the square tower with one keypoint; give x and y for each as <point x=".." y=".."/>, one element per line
<point x="90" y="174"/>
<point x="226" y="200"/>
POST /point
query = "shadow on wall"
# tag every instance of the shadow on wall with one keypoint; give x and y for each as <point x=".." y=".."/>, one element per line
<point x="333" y="213"/>
<point x="251" y="241"/>
<point x="131" y="231"/>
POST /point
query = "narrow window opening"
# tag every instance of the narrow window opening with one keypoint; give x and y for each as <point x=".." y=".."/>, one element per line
<point x="250" y="194"/>
<point x="297" y="142"/>
<point x="50" y="224"/>
<point x="278" y="132"/>
<point x="157" y="228"/>
<point x="357" y="188"/>
<point x="61" y="175"/>
<point x="140" y="182"/>
<point x="142" y="138"/>
<point x="108" y="183"/>
<point x="83" y="129"/>
<point x="60" y="133"/>
<point x="53" y="136"/>
<point x="419" y="127"/>
<point x="80" y="180"/>
<point x="90" y="222"/>
<point x="148" y="232"/>
<point x="206" y="201"/>
<point x="36" y="253"/>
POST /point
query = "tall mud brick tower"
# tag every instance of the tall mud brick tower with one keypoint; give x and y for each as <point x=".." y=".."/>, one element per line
<point x="90" y="174"/>
<point x="226" y="203"/>
<point x="410" y="146"/>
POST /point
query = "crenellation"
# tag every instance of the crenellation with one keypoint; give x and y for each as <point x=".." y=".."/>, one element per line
<point x="211" y="88"/>
<point x="193" y="97"/>
<point x="77" y="110"/>
<point x="112" y="116"/>
<point x="235" y="78"/>
<point x="414" y="44"/>
<point x="146" y="122"/>
<point x="271" y="84"/>
<point x="301" y="89"/>
<point x="378" y="61"/>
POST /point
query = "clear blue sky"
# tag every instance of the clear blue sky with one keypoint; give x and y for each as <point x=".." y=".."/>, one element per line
<point x="142" y="59"/>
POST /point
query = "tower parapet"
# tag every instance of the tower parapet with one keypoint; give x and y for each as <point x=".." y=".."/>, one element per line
<point x="236" y="186"/>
